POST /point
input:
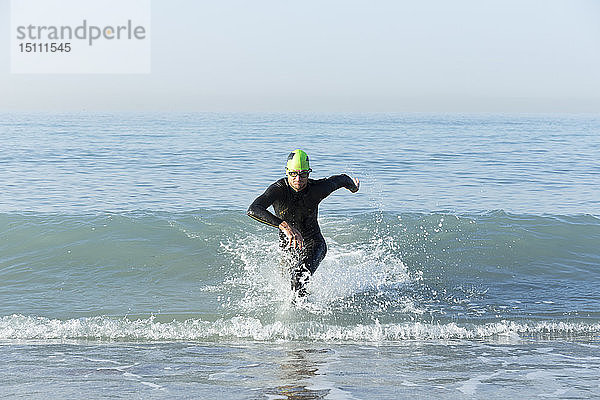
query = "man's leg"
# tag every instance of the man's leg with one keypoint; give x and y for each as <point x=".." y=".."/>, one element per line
<point x="307" y="266"/>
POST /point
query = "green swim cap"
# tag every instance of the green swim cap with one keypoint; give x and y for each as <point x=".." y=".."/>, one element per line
<point x="297" y="160"/>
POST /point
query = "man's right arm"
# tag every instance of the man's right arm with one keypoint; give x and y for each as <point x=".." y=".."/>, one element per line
<point x="259" y="211"/>
<point x="259" y="207"/>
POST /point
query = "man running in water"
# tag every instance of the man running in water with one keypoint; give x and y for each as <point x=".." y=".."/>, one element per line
<point x="295" y="200"/>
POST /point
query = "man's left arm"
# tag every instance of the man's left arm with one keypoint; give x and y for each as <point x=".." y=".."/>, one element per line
<point x="336" y="182"/>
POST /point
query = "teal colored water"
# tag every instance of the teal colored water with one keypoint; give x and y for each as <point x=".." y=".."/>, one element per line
<point x="466" y="267"/>
<point x="182" y="162"/>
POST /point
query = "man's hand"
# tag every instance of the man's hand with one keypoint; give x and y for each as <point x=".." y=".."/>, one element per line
<point x="294" y="236"/>
<point x="356" y="183"/>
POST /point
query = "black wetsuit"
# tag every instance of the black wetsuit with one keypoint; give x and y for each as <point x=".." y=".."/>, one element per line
<point x="300" y="210"/>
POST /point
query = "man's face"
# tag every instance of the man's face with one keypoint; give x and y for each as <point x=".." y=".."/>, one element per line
<point x="298" y="179"/>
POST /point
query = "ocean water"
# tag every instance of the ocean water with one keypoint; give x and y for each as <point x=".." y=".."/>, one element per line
<point x="467" y="266"/>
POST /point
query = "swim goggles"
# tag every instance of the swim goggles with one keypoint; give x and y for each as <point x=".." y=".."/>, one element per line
<point x="303" y="173"/>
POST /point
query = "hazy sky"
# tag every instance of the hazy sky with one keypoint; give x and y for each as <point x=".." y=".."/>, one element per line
<point x="343" y="55"/>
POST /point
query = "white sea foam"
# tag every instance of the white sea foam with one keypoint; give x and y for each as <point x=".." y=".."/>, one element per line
<point x="20" y="327"/>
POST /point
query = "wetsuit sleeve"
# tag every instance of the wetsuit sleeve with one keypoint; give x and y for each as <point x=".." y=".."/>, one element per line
<point x="258" y="208"/>
<point x="325" y="187"/>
